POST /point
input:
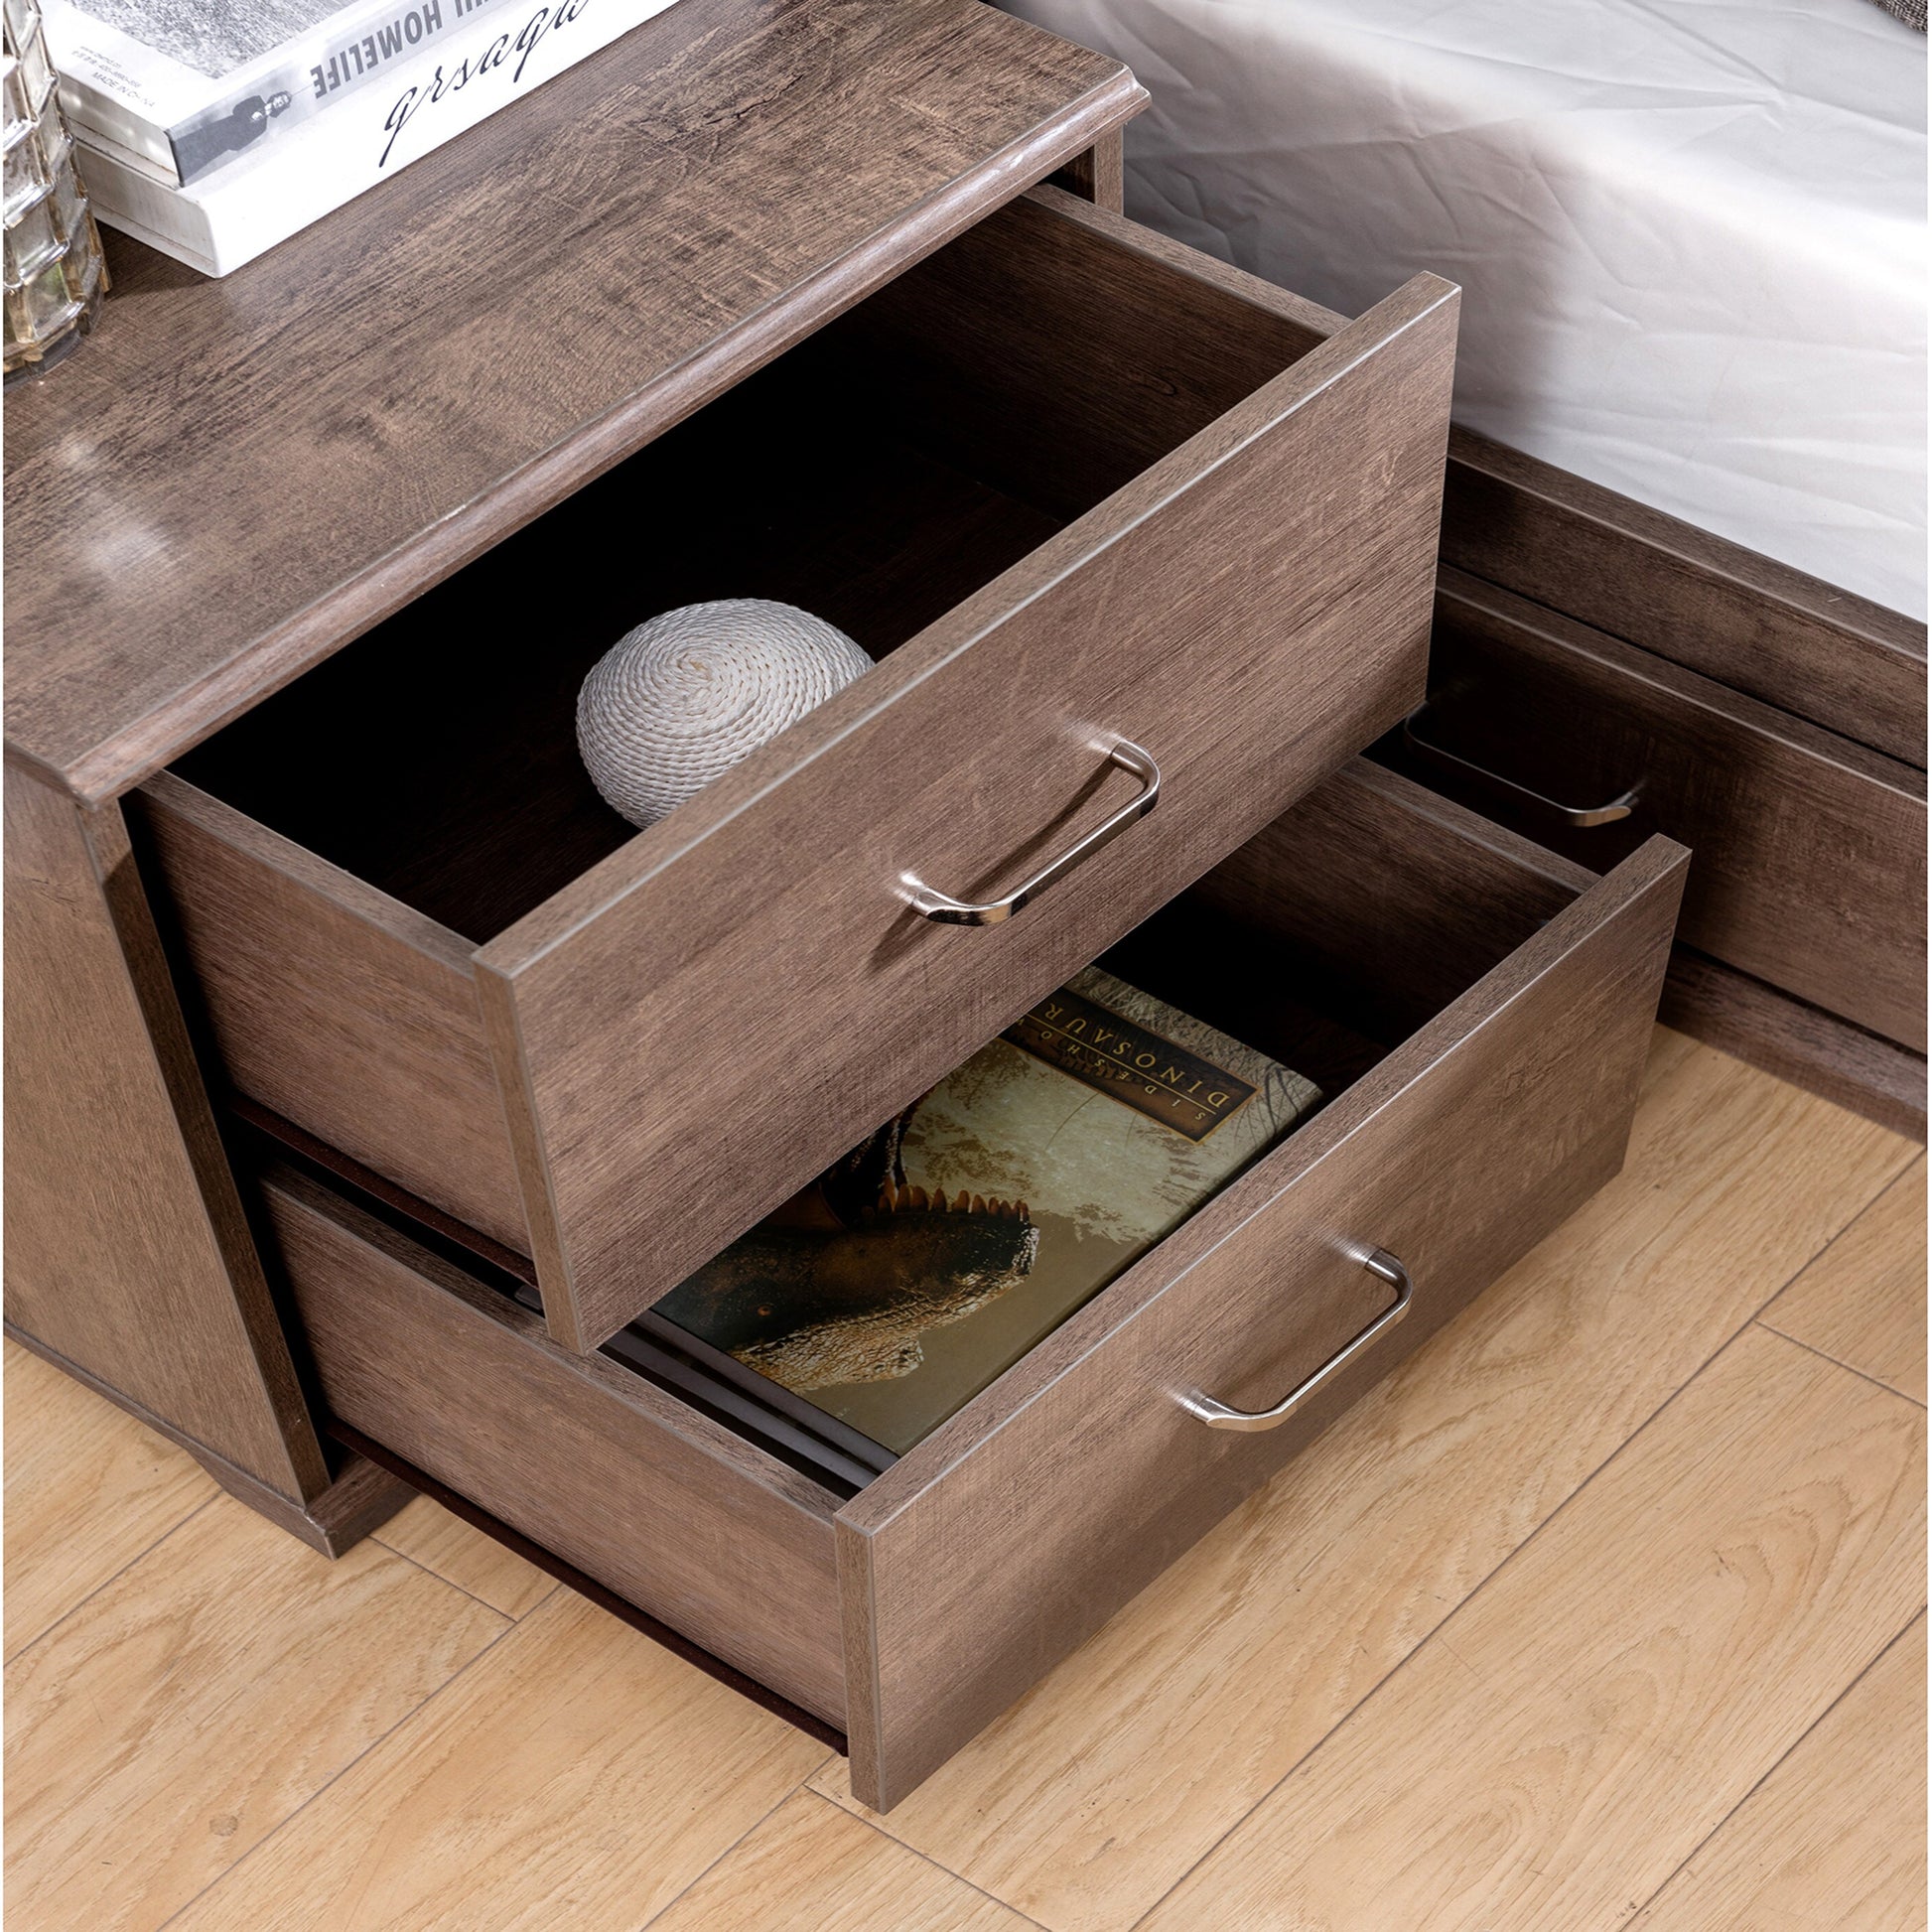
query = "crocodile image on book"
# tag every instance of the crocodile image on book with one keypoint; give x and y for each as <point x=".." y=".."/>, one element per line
<point x="839" y="1285"/>
<point x="944" y="1246"/>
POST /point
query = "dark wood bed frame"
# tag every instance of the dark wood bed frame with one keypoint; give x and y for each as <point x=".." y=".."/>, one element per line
<point x="1825" y="658"/>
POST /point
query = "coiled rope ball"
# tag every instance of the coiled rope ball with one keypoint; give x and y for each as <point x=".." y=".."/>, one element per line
<point x="682" y="698"/>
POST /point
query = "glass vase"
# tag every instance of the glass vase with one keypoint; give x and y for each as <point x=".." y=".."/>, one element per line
<point x="54" y="276"/>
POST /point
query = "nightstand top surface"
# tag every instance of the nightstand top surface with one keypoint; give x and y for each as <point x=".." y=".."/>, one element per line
<point x="232" y="478"/>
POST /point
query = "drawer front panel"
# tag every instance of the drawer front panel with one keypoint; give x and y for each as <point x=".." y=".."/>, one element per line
<point x="1808" y="851"/>
<point x="1003" y="1541"/>
<point x="655" y="1502"/>
<point x="736" y="996"/>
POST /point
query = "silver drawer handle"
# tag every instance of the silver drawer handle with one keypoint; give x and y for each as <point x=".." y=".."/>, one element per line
<point x="954" y="911"/>
<point x="1619" y="808"/>
<point x="1217" y="1414"/>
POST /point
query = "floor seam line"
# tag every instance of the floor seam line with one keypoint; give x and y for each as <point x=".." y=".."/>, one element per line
<point x="415" y="1563"/>
<point x="1877" y="1657"/>
<point x="926" y="1858"/>
<point x="1915" y="1160"/>
<point x="1912" y="1160"/>
<point x="757" y="1824"/>
<point x="1829" y="1242"/>
<point x="1403" y="1663"/>
<point x="28" y="1648"/>
<point x="1607" y="1435"/>
<point x="1812" y="1348"/>
<point x="275" y="1831"/>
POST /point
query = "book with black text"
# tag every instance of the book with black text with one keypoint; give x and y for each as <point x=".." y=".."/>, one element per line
<point x="479" y="62"/>
<point x="183" y="89"/>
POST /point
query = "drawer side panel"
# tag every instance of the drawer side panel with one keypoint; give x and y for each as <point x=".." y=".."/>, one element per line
<point x="668" y="1510"/>
<point x="340" y="1010"/>
<point x="1702" y="601"/>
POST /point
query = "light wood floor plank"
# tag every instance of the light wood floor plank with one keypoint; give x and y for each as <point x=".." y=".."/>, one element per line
<point x="577" y="1776"/>
<point x="1563" y="1745"/>
<point x="88" y="1488"/>
<point x="813" y="1865"/>
<point x="190" y="1705"/>
<point x="1833" y="1840"/>
<point x="426" y="1533"/>
<point x="1863" y="1300"/>
<point x="1097" y="1792"/>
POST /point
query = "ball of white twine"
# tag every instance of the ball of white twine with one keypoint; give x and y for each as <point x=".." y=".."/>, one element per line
<point x="685" y="696"/>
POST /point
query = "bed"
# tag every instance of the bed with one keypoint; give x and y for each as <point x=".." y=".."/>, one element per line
<point x="1691" y="232"/>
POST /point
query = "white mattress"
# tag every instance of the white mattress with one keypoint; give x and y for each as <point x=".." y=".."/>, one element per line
<point x="1691" y="233"/>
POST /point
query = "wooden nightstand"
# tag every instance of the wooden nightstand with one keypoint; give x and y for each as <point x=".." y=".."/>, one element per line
<point x="304" y="568"/>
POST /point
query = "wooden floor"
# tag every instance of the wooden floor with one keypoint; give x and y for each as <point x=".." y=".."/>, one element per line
<point x="1608" y="1608"/>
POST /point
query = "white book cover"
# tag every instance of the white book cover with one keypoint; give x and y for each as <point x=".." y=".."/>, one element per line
<point x="272" y="190"/>
<point x="185" y="87"/>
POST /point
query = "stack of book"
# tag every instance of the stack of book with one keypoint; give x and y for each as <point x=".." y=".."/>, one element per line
<point x="214" y="130"/>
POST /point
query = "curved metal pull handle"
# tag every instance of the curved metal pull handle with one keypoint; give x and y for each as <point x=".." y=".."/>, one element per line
<point x="953" y="912"/>
<point x="1217" y="1414"/>
<point x="1619" y="808"/>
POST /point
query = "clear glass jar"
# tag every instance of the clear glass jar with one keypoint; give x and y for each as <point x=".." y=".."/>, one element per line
<point x="54" y="273"/>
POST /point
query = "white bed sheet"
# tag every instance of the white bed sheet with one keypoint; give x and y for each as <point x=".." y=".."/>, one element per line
<point x="1691" y="233"/>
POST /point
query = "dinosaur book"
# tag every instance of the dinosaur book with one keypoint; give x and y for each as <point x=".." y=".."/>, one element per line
<point x="936" y="1253"/>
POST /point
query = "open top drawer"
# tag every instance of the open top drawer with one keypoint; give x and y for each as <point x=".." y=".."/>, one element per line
<point x="1069" y="484"/>
<point x="1478" y="1014"/>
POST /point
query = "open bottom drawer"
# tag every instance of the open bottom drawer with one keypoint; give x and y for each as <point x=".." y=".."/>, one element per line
<point x="1479" y="1012"/>
<point x="1070" y="485"/>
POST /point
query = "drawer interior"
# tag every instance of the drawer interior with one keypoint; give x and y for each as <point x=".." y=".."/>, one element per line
<point x="1349" y="923"/>
<point x="878" y="474"/>
<point x="1327" y="941"/>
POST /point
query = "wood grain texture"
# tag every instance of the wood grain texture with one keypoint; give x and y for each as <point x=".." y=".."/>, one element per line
<point x="810" y="1864"/>
<point x="479" y="348"/>
<point x="1863" y="1300"/>
<point x="656" y="1503"/>
<point x="1103" y="1787"/>
<point x="1810" y="868"/>
<point x="220" y="1654"/>
<point x="427" y="1534"/>
<point x="332" y="1004"/>
<point x="329" y="925"/>
<point x="358" y="1500"/>
<point x="1732" y="1181"/>
<point x="965" y="1577"/>
<point x="127" y="1252"/>
<point x="1099" y="176"/>
<point x="1834" y="1836"/>
<point x="1695" y="1610"/>
<point x="1797" y="1042"/>
<point x="88" y="1490"/>
<point x="465" y="798"/>
<point x="591" y="1591"/>
<point x="577" y="1775"/>
<point x="1248" y="608"/>
<point x="1758" y="626"/>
